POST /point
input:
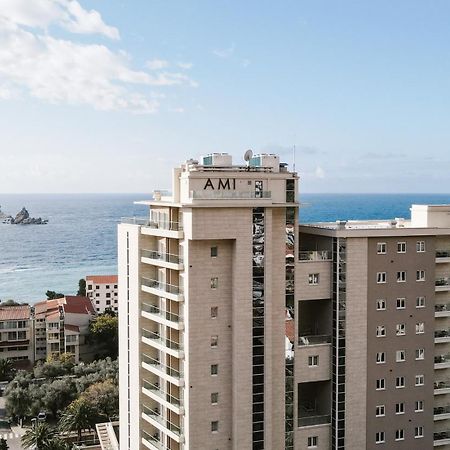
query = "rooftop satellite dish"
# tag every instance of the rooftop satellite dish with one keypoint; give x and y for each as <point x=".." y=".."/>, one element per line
<point x="248" y="155"/>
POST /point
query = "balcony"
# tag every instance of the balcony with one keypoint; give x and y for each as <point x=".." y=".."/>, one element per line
<point x="442" y="256"/>
<point x="314" y="339"/>
<point x="441" y="438"/>
<point x="322" y="255"/>
<point x="161" y="289"/>
<point x="154" y="339"/>
<point x="160" y="228"/>
<point x="154" y="391"/>
<point x="442" y="310"/>
<point x="154" y="417"/>
<point x="441" y="412"/>
<point x="230" y="195"/>
<point x="152" y="442"/>
<point x="156" y="367"/>
<point x="442" y="362"/>
<point x="441" y="387"/>
<point x="162" y="259"/>
<point x="161" y="316"/>
<point x="441" y="336"/>
<point x="442" y="284"/>
<point x="313" y="419"/>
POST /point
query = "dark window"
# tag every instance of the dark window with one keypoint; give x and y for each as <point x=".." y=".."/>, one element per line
<point x="214" y="251"/>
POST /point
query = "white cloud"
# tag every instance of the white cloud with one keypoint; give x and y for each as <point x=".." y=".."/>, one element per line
<point x="225" y="52"/>
<point x="156" y="64"/>
<point x="61" y="71"/>
<point x="319" y="172"/>
<point x="185" y="65"/>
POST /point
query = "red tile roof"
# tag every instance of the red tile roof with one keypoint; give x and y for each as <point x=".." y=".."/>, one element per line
<point x="14" y="312"/>
<point x="102" y="279"/>
<point x="71" y="328"/>
<point x="77" y="304"/>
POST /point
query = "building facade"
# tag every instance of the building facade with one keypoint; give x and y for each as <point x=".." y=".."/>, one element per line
<point x="241" y="329"/>
<point x="103" y="292"/>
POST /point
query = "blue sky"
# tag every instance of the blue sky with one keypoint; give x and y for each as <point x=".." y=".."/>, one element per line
<point x="108" y="95"/>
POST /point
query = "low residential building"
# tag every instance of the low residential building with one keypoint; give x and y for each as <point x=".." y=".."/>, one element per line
<point x="16" y="341"/>
<point x="62" y="326"/>
<point x="103" y="292"/>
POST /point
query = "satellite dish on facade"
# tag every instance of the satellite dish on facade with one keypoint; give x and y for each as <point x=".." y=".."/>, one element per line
<point x="248" y="155"/>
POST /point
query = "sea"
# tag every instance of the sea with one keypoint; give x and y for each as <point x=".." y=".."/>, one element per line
<point x="81" y="236"/>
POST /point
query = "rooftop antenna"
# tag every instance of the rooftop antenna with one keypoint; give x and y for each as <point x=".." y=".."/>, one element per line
<point x="293" y="158"/>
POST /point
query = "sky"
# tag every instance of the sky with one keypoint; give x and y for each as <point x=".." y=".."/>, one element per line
<point x="109" y="95"/>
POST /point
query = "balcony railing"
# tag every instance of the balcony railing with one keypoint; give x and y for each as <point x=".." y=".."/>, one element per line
<point x="157" y="224"/>
<point x="155" y="415"/>
<point x="155" y="284"/>
<point x="441" y="333"/>
<point x="438" y="410"/>
<point x="154" y="387"/>
<point x="440" y="359"/>
<point x="162" y="367"/>
<point x="229" y="195"/>
<point x="442" y="253"/>
<point x="441" y="435"/>
<point x="152" y="309"/>
<point x="442" y="384"/>
<point x="314" y="339"/>
<point x="322" y="255"/>
<point x="442" y="307"/>
<point x="313" y="420"/>
<point x="166" y="257"/>
<point x="444" y="281"/>
<point x="154" y="440"/>
<point x="154" y="335"/>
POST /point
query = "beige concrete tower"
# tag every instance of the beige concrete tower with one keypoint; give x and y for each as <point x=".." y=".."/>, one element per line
<point x="203" y="289"/>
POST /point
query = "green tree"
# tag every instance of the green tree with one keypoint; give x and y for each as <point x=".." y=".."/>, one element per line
<point x="41" y="437"/>
<point x="78" y="416"/>
<point x="82" y="287"/>
<point x="3" y="444"/>
<point x="104" y="332"/>
<point x="6" y="369"/>
<point x="58" y="395"/>
<point x="18" y="401"/>
<point x="10" y="302"/>
<point x="104" y="397"/>
<point x="52" y="295"/>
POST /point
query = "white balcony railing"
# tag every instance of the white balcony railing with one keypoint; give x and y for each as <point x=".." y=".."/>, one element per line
<point x="322" y="255"/>
<point x="160" y="286"/>
<point x="157" y="224"/>
<point x="230" y="195"/>
<point x="159" y="256"/>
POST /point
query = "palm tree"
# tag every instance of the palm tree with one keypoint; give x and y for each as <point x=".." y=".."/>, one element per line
<point x="6" y="369"/>
<point x="39" y="437"/>
<point x="3" y="444"/>
<point x="78" y="416"/>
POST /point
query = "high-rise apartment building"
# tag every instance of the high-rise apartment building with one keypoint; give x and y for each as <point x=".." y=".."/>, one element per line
<point x="241" y="329"/>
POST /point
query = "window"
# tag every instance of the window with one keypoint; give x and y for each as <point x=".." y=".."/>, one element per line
<point x="418" y="432"/>
<point x="381" y="277"/>
<point x="214" y="251"/>
<point x="214" y="282"/>
<point x="97" y="302"/>
<point x="420" y="327"/>
<point x="399" y="435"/>
<point x="107" y="286"/>
<point x="419" y="406"/>
<point x="214" y="398"/>
<point x="401" y="247"/>
<point x="420" y="353"/>
<point x="97" y="294"/>
<point x="400" y="382"/>
<point x="313" y="360"/>
<point x="108" y="295"/>
<point x="420" y="246"/>
<point x="400" y="329"/>
<point x="400" y="408"/>
<point x="214" y="369"/>
<point x="108" y="302"/>
<point x="381" y="248"/>
<point x="379" y="437"/>
<point x="401" y="276"/>
<point x="214" y="341"/>
<point x="381" y="357"/>
<point x="115" y="286"/>
<point x="215" y="426"/>
<point x="21" y="335"/>
<point x="313" y="279"/>
<point x="379" y="411"/>
<point x="401" y="303"/>
<point x="214" y="311"/>
<point x="420" y="275"/>
<point x="400" y="355"/>
<point x="381" y="304"/>
<point x="97" y="287"/>
<point x="420" y="380"/>
<point x="313" y="441"/>
<point x="381" y="384"/>
<point x="420" y="302"/>
<point x="89" y="287"/>
<point x="381" y="331"/>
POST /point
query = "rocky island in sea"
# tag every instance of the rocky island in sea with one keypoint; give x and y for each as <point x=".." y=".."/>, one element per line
<point x="22" y="218"/>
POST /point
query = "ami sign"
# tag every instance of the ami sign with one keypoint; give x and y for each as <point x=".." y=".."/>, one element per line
<point x="220" y="183"/>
